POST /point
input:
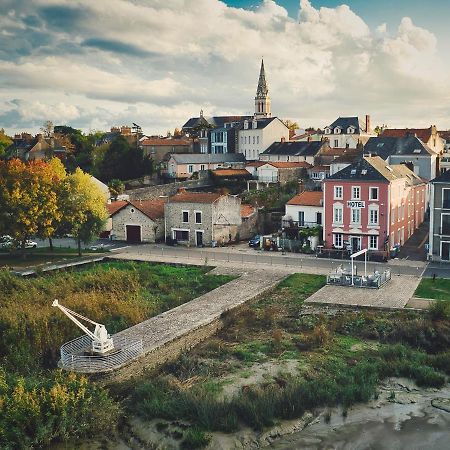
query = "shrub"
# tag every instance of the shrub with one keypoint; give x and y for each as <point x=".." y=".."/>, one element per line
<point x="440" y="310"/>
<point x="195" y="438"/>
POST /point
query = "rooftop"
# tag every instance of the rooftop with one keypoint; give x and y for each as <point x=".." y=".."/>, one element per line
<point x="307" y="198"/>
<point x="205" y="158"/>
<point x="295" y="148"/>
<point x="288" y="164"/>
<point x="385" y="146"/>
<point x="195" y="197"/>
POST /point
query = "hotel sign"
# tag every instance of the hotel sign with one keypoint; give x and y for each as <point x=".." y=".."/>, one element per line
<point x="356" y="204"/>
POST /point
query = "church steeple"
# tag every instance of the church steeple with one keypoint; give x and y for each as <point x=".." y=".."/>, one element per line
<point x="262" y="100"/>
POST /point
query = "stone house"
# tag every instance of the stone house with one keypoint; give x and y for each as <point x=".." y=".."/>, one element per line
<point x="439" y="240"/>
<point x="159" y="148"/>
<point x="201" y="218"/>
<point x="137" y="221"/>
<point x="282" y="172"/>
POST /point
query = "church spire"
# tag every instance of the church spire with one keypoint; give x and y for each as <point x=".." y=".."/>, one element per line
<point x="262" y="100"/>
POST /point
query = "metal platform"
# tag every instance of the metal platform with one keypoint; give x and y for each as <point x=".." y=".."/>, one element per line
<point x="76" y="358"/>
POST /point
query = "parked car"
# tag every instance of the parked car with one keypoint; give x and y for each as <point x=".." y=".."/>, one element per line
<point x="255" y="241"/>
<point x="8" y="242"/>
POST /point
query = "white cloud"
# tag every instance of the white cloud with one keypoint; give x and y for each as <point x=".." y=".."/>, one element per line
<point x="157" y="62"/>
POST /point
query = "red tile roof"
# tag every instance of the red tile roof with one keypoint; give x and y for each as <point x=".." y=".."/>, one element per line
<point x="307" y="198"/>
<point x="153" y="208"/>
<point x="424" y="134"/>
<point x="195" y="197"/>
<point x="114" y="207"/>
<point x="231" y="173"/>
<point x="247" y="210"/>
<point x="166" y="141"/>
<point x="289" y="165"/>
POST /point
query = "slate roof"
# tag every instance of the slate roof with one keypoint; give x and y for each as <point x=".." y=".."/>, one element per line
<point x="374" y="168"/>
<point x="307" y="198"/>
<point x="387" y="146"/>
<point x="295" y="148"/>
<point x="195" y="197"/>
<point x="345" y="122"/>
<point x="260" y="123"/>
<point x="200" y="158"/>
<point x="288" y="164"/>
<point x="215" y="121"/>
<point x="443" y="178"/>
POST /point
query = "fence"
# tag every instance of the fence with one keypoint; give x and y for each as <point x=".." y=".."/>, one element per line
<point x="72" y="357"/>
<point x="375" y="281"/>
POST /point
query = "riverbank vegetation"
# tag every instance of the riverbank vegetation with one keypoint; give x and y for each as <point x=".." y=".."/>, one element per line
<point x="39" y="404"/>
<point x="277" y="359"/>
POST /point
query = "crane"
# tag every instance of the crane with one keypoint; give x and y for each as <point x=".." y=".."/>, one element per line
<point x="101" y="340"/>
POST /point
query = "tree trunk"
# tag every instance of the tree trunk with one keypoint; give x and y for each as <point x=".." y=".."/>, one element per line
<point x="79" y="247"/>
<point x="22" y="248"/>
<point x="50" y="241"/>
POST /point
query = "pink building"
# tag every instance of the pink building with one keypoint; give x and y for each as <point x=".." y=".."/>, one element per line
<point x="371" y="204"/>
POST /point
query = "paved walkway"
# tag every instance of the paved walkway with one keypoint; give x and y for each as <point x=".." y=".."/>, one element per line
<point x="172" y="325"/>
<point x="395" y="294"/>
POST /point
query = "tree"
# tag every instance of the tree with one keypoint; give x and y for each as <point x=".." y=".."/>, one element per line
<point x="177" y="133"/>
<point x="28" y="200"/>
<point x="47" y="129"/>
<point x="5" y="142"/>
<point x="290" y="124"/>
<point x="116" y="187"/>
<point x="83" y="207"/>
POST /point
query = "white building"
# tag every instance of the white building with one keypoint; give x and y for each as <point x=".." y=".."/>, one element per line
<point x="347" y="132"/>
<point x="257" y="135"/>
<point x="305" y="209"/>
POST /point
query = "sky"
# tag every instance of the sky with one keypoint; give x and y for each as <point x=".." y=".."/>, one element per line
<point x="97" y="64"/>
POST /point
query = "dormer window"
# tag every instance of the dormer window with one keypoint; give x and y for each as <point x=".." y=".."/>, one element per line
<point x="337" y="130"/>
<point x="350" y="130"/>
<point x="327" y="130"/>
<point x="254" y="124"/>
<point x="245" y="124"/>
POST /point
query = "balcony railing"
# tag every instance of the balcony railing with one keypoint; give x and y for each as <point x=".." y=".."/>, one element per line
<point x="268" y="179"/>
<point x="300" y="224"/>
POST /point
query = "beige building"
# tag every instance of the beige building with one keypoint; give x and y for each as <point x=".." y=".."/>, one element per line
<point x="159" y="148"/>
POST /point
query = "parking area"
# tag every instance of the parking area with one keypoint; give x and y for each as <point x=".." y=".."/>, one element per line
<point x="68" y="242"/>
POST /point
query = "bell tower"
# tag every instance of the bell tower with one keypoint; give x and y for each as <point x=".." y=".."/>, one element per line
<point x="262" y="100"/>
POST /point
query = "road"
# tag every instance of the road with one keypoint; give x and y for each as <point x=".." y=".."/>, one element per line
<point x="72" y="243"/>
<point x="251" y="258"/>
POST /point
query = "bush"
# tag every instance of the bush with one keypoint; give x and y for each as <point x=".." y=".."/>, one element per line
<point x="440" y="310"/>
<point x="195" y="438"/>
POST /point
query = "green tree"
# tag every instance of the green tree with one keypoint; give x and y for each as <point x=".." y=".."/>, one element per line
<point x="83" y="207"/>
<point x="290" y="124"/>
<point x="116" y="187"/>
<point x="5" y="142"/>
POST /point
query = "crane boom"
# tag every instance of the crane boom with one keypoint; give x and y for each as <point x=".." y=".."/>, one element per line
<point x="101" y="340"/>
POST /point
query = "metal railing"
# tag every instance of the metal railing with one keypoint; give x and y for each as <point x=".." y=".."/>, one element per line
<point x="375" y="281"/>
<point x="73" y="355"/>
<point x="300" y="224"/>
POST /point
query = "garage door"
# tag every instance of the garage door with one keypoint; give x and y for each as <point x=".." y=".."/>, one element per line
<point x="133" y="234"/>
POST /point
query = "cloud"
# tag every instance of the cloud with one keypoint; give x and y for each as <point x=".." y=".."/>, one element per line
<point x="157" y="62"/>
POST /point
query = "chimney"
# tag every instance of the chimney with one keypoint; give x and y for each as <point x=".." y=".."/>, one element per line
<point x="367" y="123"/>
<point x="181" y="190"/>
<point x="283" y="139"/>
<point x="301" y="186"/>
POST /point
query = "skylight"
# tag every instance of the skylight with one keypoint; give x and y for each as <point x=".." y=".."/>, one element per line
<point x="417" y="150"/>
<point x="353" y="172"/>
<point x="363" y="172"/>
<point x="380" y="144"/>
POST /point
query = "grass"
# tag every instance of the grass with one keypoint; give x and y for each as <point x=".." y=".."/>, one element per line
<point x="40" y="405"/>
<point x="341" y="359"/>
<point x="439" y="289"/>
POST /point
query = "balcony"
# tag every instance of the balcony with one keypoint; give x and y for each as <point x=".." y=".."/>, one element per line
<point x="300" y="224"/>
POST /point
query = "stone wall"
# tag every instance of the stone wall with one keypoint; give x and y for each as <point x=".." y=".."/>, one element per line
<point x="150" y="230"/>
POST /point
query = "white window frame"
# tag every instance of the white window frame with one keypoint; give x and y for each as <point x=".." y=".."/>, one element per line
<point x="195" y="217"/>
<point x="354" y="222"/>
<point x="375" y="210"/>
<point x="336" y="197"/>
<point x="373" y="247"/>
<point x="341" y="214"/>
<point x="190" y="168"/>
<point x="182" y="215"/>
<point x="353" y="193"/>
<point x="378" y="193"/>
<point x="341" y="239"/>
